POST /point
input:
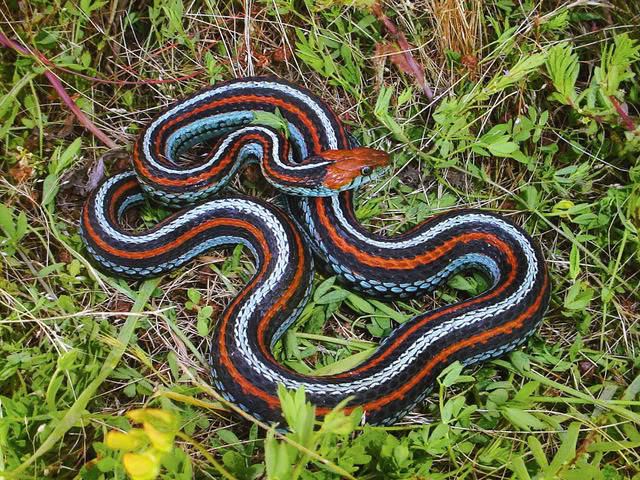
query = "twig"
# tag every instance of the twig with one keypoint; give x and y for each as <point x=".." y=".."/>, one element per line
<point x="406" y="49"/>
<point x="57" y="85"/>
<point x="626" y="119"/>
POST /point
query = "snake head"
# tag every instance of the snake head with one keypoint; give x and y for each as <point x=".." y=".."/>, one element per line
<point x="353" y="167"/>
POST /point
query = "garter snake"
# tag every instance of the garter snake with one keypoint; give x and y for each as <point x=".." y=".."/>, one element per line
<point x="395" y="378"/>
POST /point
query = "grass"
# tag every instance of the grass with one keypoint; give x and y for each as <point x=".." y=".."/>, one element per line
<point x="534" y="114"/>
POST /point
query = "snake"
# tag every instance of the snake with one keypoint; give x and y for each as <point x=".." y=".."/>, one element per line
<point x="307" y="153"/>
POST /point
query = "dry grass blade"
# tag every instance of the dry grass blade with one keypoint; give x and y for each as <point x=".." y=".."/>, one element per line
<point x="458" y="26"/>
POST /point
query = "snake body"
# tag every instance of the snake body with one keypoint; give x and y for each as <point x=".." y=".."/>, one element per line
<point x="395" y="378"/>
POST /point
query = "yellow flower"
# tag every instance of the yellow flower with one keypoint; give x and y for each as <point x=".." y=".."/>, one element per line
<point x="144" y="466"/>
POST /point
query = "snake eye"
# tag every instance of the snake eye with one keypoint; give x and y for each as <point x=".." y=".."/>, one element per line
<point x="366" y="170"/>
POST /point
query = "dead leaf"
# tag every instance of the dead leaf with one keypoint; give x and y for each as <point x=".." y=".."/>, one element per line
<point x="252" y="173"/>
<point x="397" y="57"/>
<point x="21" y="172"/>
<point x="281" y="54"/>
<point x="408" y="64"/>
<point x="410" y="176"/>
<point x="96" y="170"/>
<point x="67" y="127"/>
<point x="262" y="60"/>
<point x="64" y="256"/>
<point x="470" y="62"/>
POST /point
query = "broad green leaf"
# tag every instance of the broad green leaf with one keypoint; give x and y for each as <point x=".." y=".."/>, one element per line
<point x="50" y="189"/>
<point x="194" y="295"/>
<point x="519" y="468"/>
<point x="538" y="452"/>
<point x="274" y="120"/>
<point x="65" y="361"/>
<point x="66" y="302"/>
<point x="277" y="458"/>
<point x="360" y="304"/>
<point x="525" y="392"/>
<point x="174" y="366"/>
<point x="574" y="261"/>
<point x="530" y="197"/>
<point x="6" y="221"/>
<point x="228" y="437"/>
<point x="323" y="288"/>
<point x="387" y="310"/>
<point x="617" y="446"/>
<point x="450" y="375"/>
<point x="202" y="325"/>
<point x="65" y="158"/>
<point x="452" y="408"/>
<point x="567" y="450"/>
<point x="578" y="296"/>
<point x="503" y="148"/>
<point x="459" y="282"/>
<point x="333" y="296"/>
<point x="345" y="364"/>
<point x="520" y="360"/>
<point x="522" y="419"/>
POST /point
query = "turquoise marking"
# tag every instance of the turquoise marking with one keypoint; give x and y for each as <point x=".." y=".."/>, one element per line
<point x="204" y="129"/>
